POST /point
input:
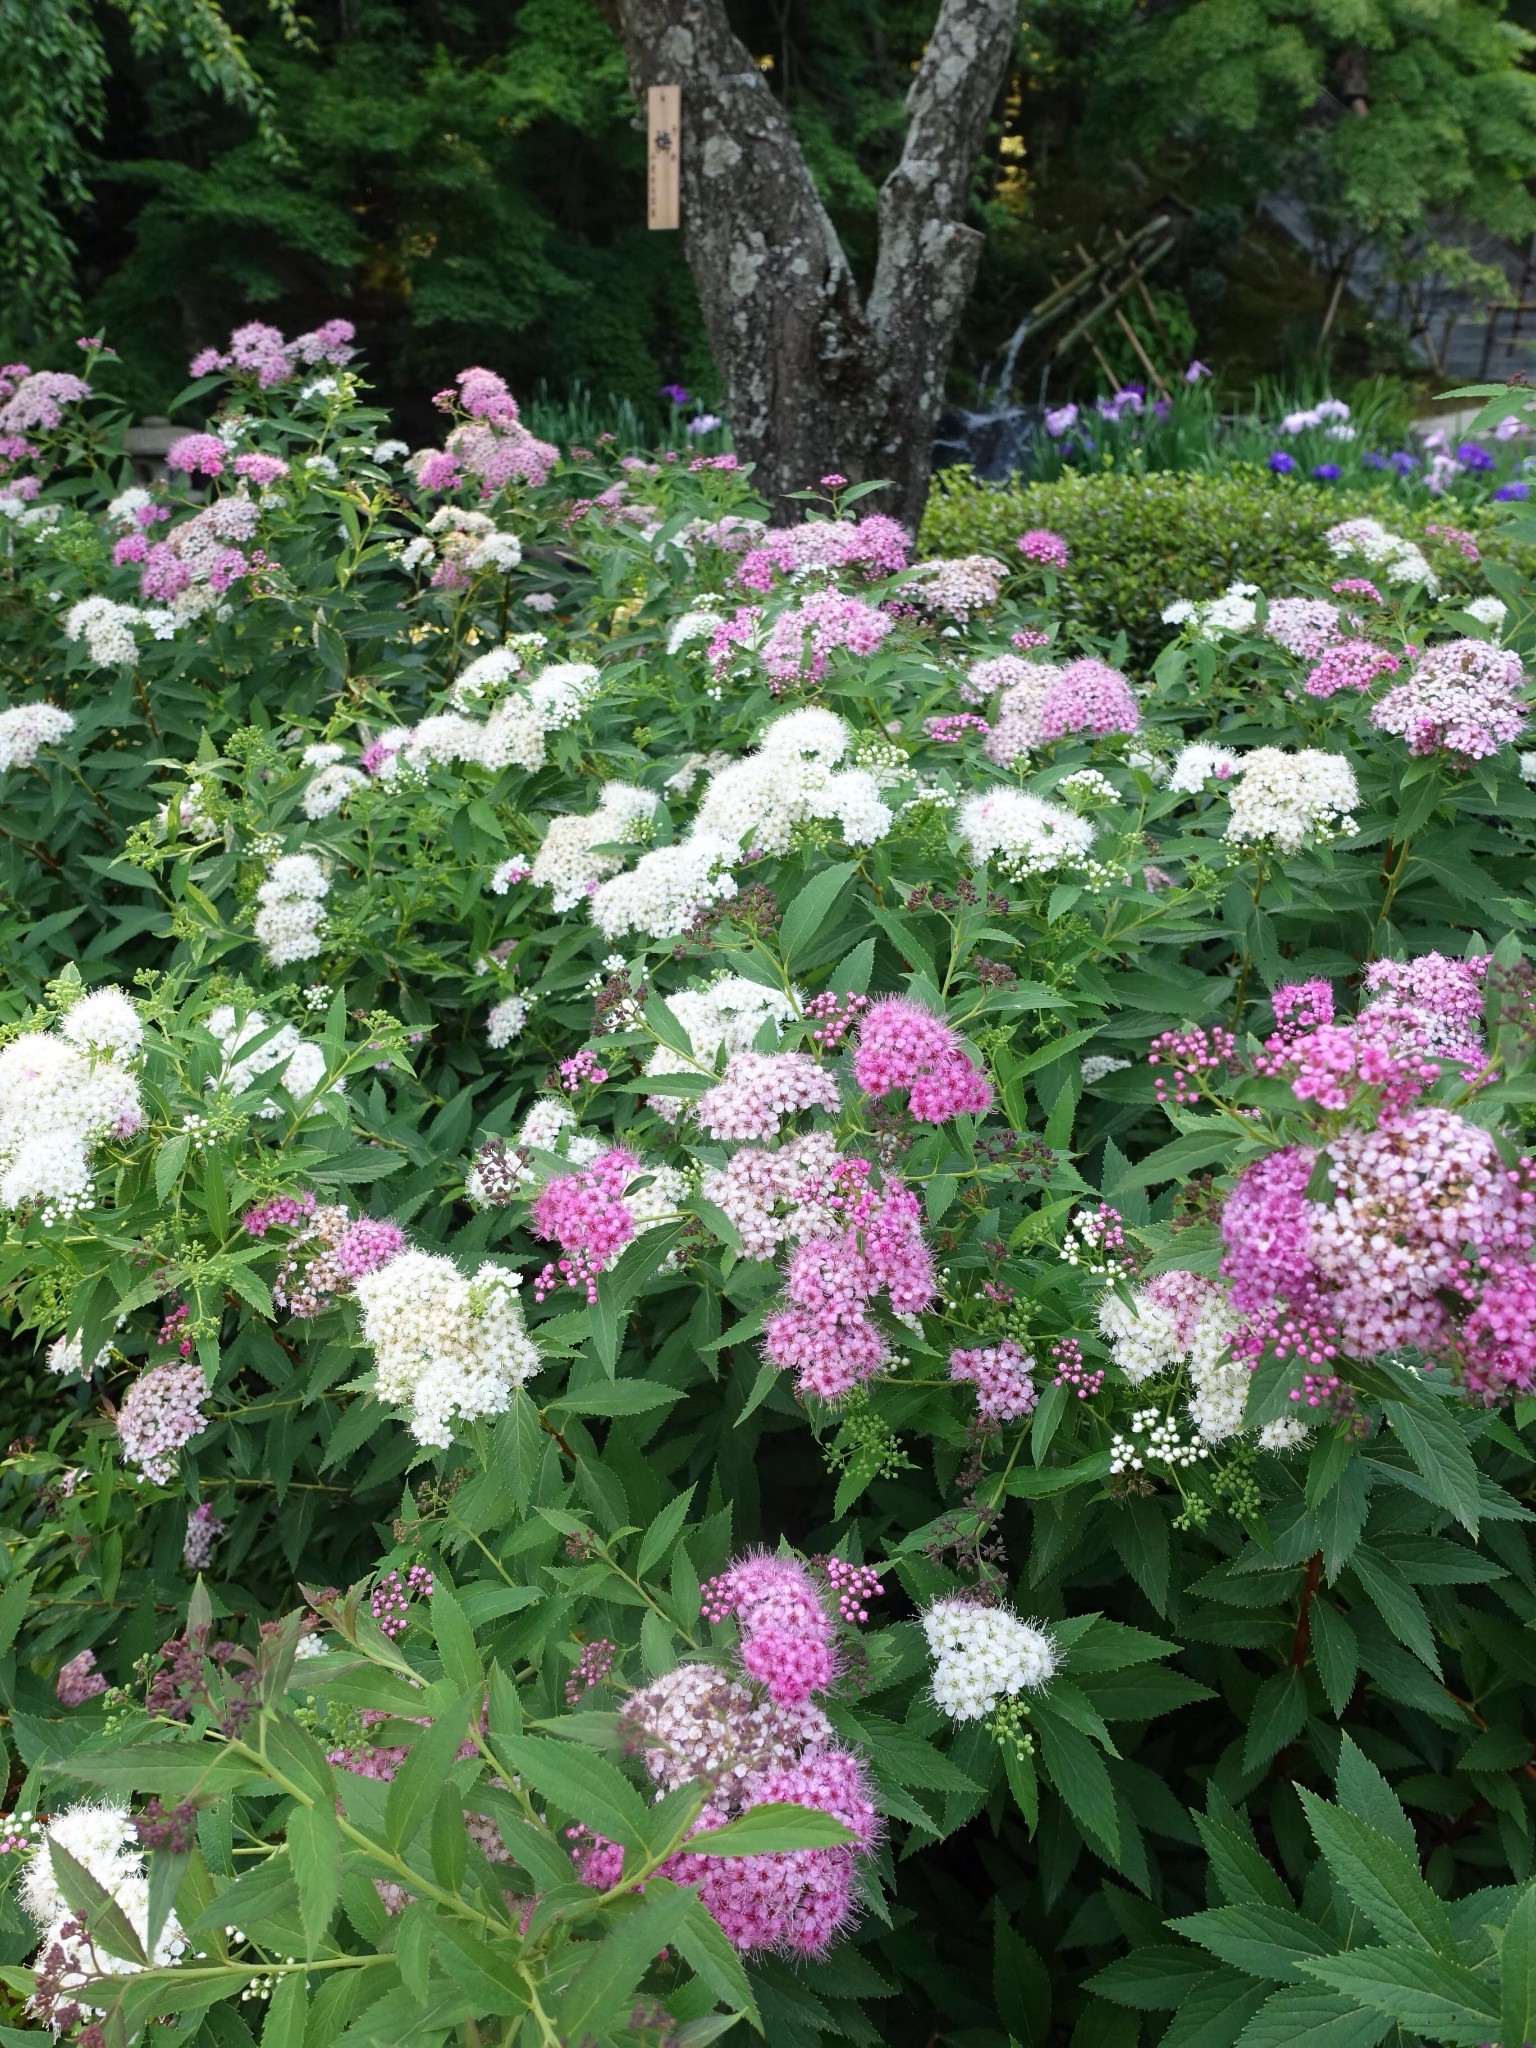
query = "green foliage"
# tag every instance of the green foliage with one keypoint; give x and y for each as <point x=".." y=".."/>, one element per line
<point x="376" y="1763"/>
<point x="1140" y="541"/>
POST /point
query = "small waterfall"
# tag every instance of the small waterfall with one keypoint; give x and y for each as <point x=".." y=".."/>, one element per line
<point x="995" y="437"/>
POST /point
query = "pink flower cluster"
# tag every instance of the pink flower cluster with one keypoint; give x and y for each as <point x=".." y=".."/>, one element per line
<point x="582" y="1070"/>
<point x="328" y="1255"/>
<point x="491" y="444"/>
<point x="1192" y="1053"/>
<point x="1458" y="538"/>
<point x="34" y="400"/>
<point x="162" y="1412"/>
<point x="902" y="1045"/>
<point x="1462" y="699"/>
<point x="761" y="1092"/>
<point x="802" y="1188"/>
<point x="201" y="551"/>
<point x="827" y="1337"/>
<point x="835" y="1016"/>
<point x="1422" y="1239"/>
<point x="875" y="546"/>
<point x="1002" y="1376"/>
<point x="853" y="1584"/>
<point x="755" y="1747"/>
<point x="804" y="635"/>
<point x="256" y="350"/>
<point x="786" y="1635"/>
<point x="280" y="1212"/>
<point x="1350" y="665"/>
<point x="1046" y="549"/>
<point x="79" y="1681"/>
<point x="1071" y="1371"/>
<point x="951" y="727"/>
<point x="592" y="1667"/>
<point x="1357" y="586"/>
<point x="393" y="1595"/>
<point x="1040" y="703"/>
<point x="586" y="1215"/>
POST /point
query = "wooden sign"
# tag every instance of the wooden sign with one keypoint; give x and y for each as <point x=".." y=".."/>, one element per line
<point x="664" y="123"/>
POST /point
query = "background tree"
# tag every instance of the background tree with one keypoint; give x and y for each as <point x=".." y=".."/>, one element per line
<point x="817" y="376"/>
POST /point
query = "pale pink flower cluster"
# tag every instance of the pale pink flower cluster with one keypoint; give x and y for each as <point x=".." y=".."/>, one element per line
<point x="1303" y="626"/>
<point x="197" y="561"/>
<point x="162" y="1412"/>
<point x="1432" y="1005"/>
<point x="1001" y="1374"/>
<point x="1041" y="703"/>
<point x="1349" y="665"/>
<point x="197" y="455"/>
<point x="827" y="1336"/>
<point x="756" y="1745"/>
<point x="256" y="350"/>
<point x="491" y="445"/>
<point x="875" y="546"/>
<point x="34" y="400"/>
<point x="902" y="1045"/>
<point x="586" y="1215"/>
<point x="1462" y="698"/>
<point x="956" y="586"/>
<point x="761" y="1092"/>
<point x="328" y="1255"/>
<point x="799" y="1190"/>
<point x="203" y="1531"/>
<point x="803" y="637"/>
<point x="1422" y="1242"/>
<point x="79" y="1681"/>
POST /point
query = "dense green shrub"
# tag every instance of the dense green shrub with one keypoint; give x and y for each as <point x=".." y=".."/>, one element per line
<point x="392" y="872"/>
<point x="1139" y="542"/>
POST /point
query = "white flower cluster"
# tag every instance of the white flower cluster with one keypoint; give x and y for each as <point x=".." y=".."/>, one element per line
<point x="1097" y="1064"/>
<point x="505" y="1021"/>
<point x="99" y="1835"/>
<point x="1233" y="612"/>
<point x="1023" y="834"/>
<point x="1398" y="559"/>
<point x="110" y="630"/>
<point x="1198" y="763"/>
<point x="1156" y="1437"/>
<point x="1182" y="1320"/>
<point x="66" y="1357"/>
<point x="982" y="1656"/>
<point x="667" y="888"/>
<point x="188" y="813"/>
<point x="447" y="1349"/>
<point x="692" y="627"/>
<point x="61" y="1093"/>
<point x="726" y="1017"/>
<point x="253" y="1047"/>
<point x="1284" y="800"/>
<point x="1488" y="611"/>
<point x="329" y="790"/>
<point x="792" y="779"/>
<point x="567" y="864"/>
<point x="680" y="783"/>
<point x="291" y="916"/>
<point x="1331" y="414"/>
<point x="24" y="728"/>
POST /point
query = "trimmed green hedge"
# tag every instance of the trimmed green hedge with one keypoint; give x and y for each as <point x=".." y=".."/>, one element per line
<point x="1139" y="541"/>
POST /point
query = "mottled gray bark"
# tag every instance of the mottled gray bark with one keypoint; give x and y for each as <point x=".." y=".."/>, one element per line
<point x="817" y="379"/>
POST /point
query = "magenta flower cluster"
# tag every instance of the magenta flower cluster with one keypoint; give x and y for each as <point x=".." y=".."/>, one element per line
<point x="756" y="1746"/>
<point x="1045" y="549"/>
<point x="392" y="1597"/>
<point x="490" y="445"/>
<point x="804" y="636"/>
<point x="902" y="1045"/>
<point x="586" y="1215"/>
<point x="874" y="546"/>
<point x="827" y="1335"/>
<point x="1349" y="665"/>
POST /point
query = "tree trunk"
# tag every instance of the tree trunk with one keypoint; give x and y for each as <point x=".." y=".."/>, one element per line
<point x="816" y="379"/>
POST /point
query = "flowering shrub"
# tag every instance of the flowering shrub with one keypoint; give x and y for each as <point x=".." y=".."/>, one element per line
<point x="764" y="1294"/>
